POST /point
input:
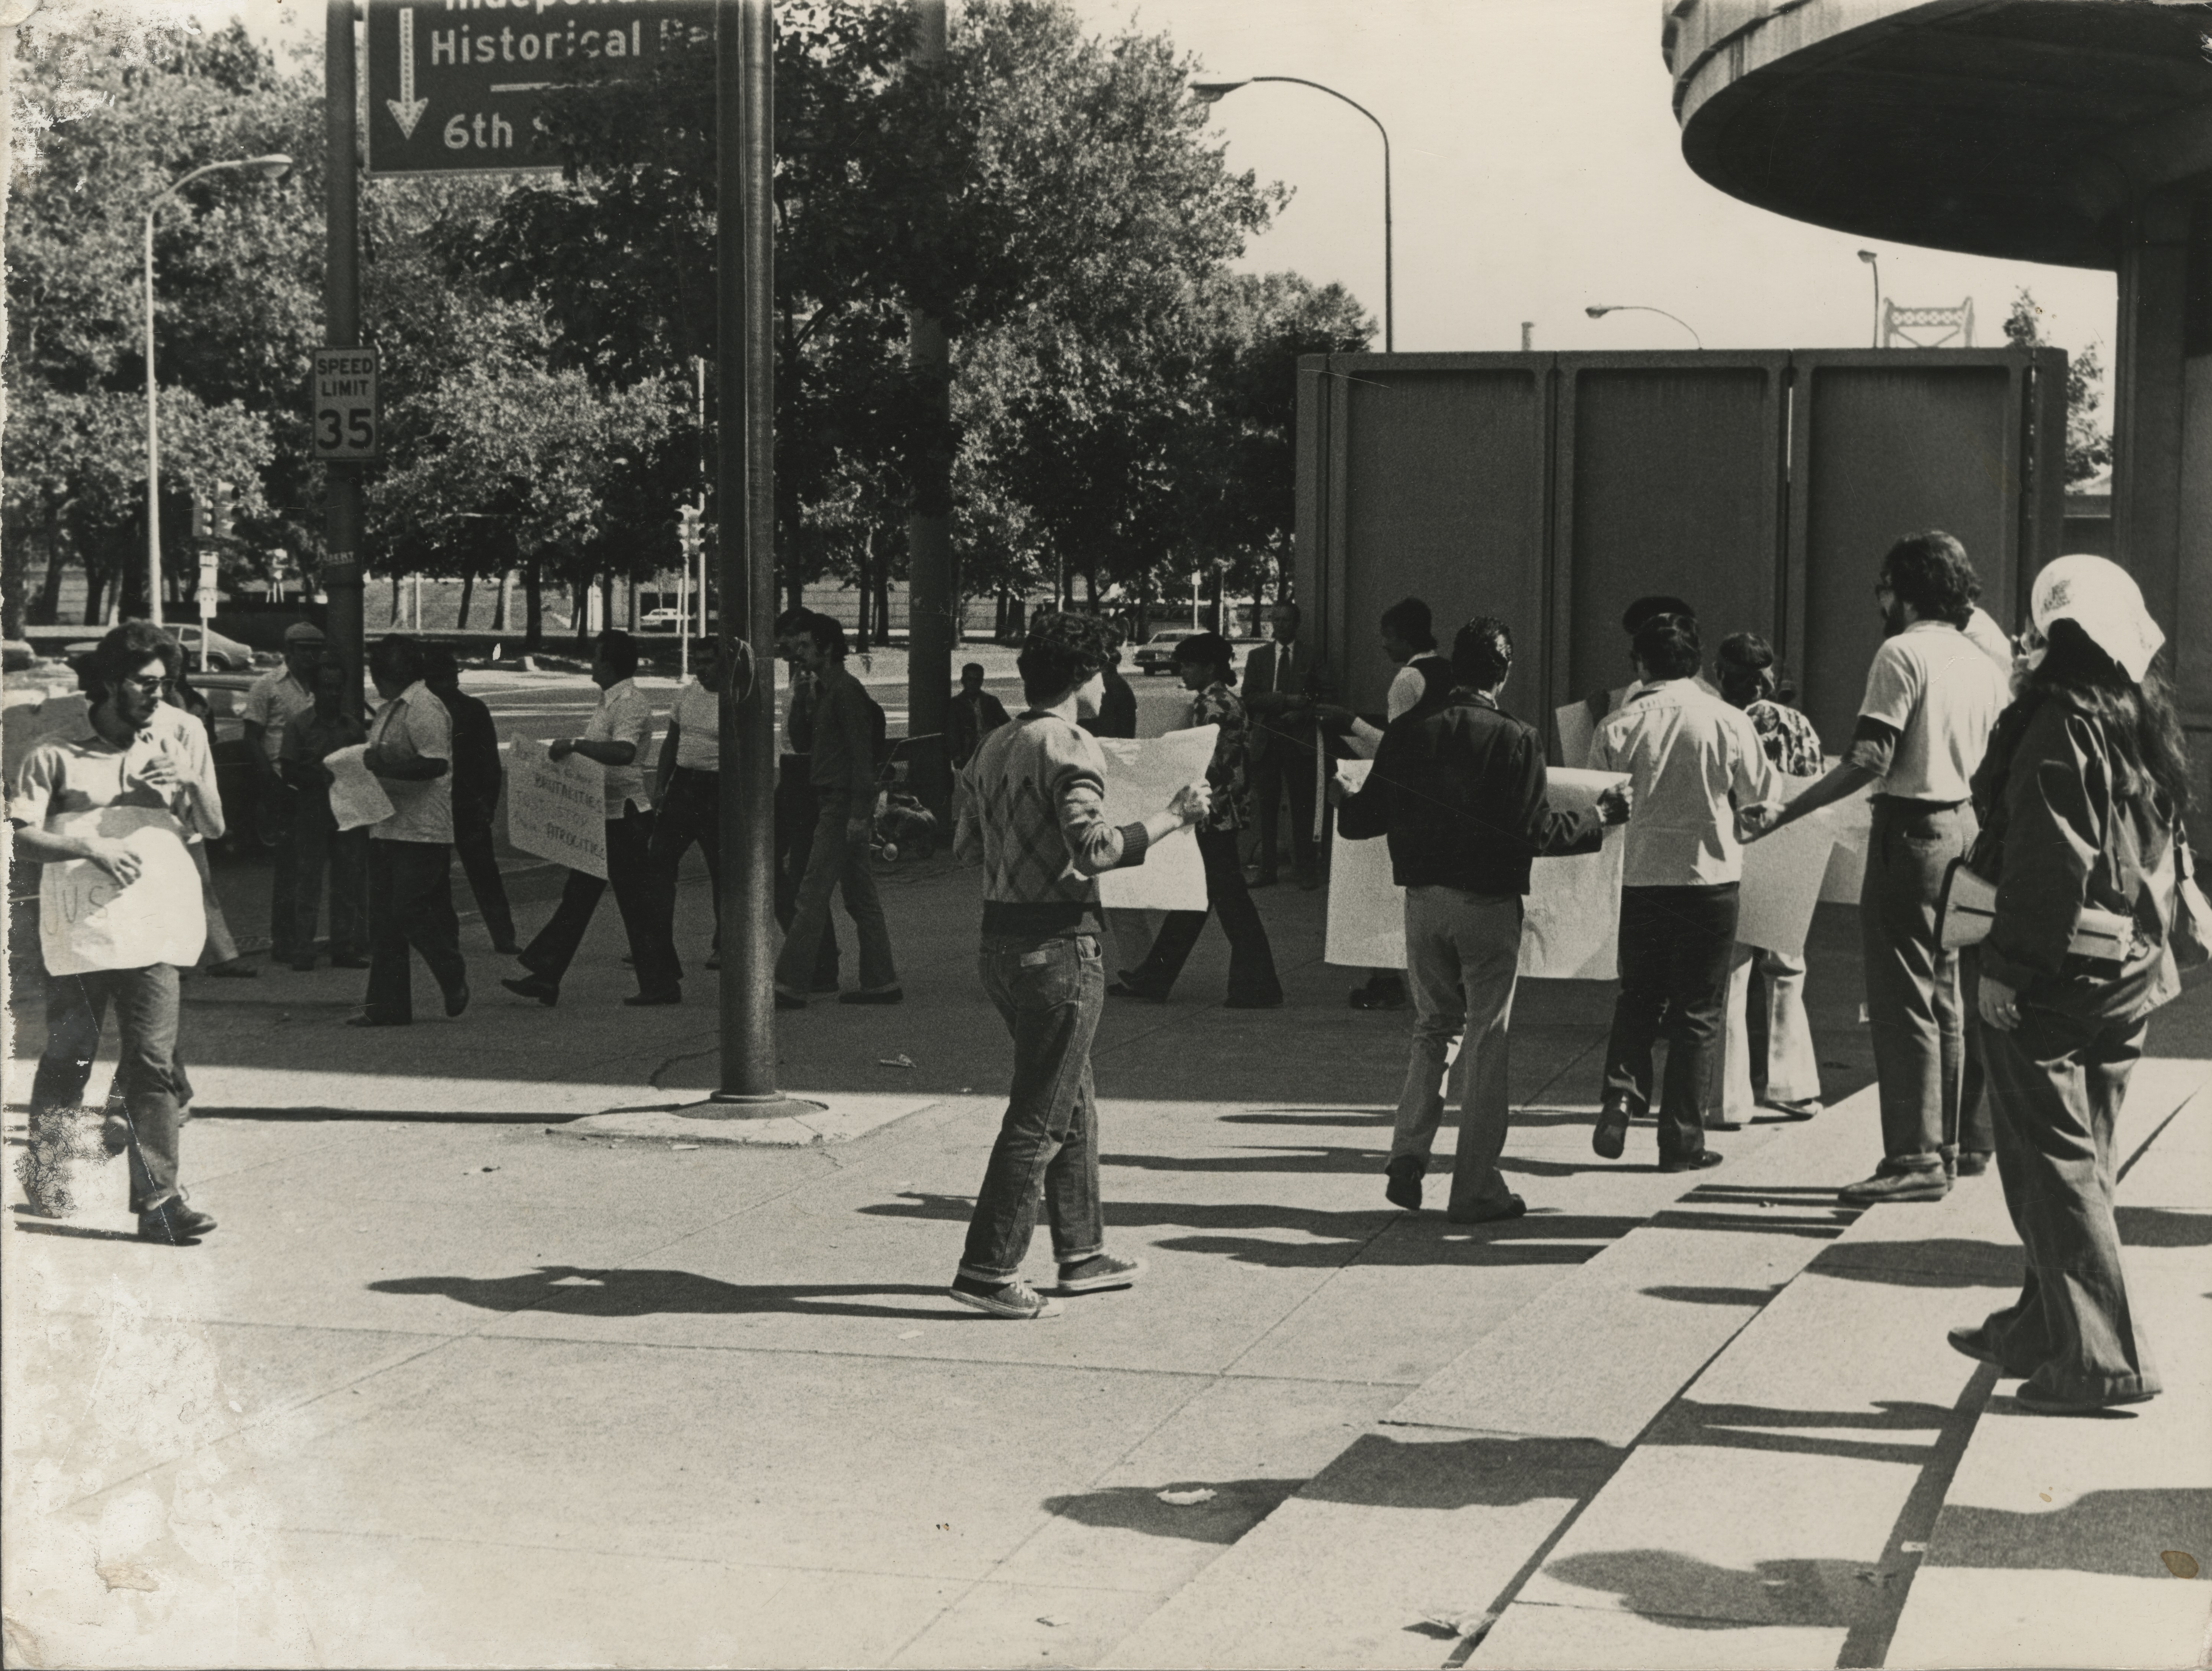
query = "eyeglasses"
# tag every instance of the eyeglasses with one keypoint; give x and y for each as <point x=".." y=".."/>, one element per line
<point x="160" y="687"/>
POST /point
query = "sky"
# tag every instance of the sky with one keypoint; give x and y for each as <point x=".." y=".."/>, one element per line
<point x="1537" y="170"/>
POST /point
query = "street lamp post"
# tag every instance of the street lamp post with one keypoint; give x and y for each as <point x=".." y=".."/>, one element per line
<point x="273" y="166"/>
<point x="1875" y="262"/>
<point x="1638" y="308"/>
<point x="1212" y="92"/>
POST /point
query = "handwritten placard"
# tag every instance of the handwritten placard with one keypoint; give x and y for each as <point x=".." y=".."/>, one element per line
<point x="1142" y="778"/>
<point x="557" y="809"/>
<point x="356" y="798"/>
<point x="88" y="920"/>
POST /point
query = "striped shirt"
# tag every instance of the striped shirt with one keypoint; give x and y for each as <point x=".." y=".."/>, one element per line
<point x="1034" y="812"/>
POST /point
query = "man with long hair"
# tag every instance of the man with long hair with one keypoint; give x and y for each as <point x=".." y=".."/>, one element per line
<point x="1932" y="696"/>
<point x="1033" y="814"/>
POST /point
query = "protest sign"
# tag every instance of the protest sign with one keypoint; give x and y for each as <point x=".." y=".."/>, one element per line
<point x="1571" y="920"/>
<point x="557" y="809"/>
<point x="88" y="921"/>
<point x="1142" y="777"/>
<point x="356" y="798"/>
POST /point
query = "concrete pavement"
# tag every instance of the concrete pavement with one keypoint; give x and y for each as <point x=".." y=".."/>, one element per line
<point x="485" y="1389"/>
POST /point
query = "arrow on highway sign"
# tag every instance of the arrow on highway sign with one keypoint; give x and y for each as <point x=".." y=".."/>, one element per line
<point x="407" y="109"/>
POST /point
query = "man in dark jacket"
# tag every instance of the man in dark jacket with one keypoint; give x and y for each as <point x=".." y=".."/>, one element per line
<point x="1117" y="706"/>
<point x="1461" y="791"/>
<point x="972" y="714"/>
<point x="477" y="775"/>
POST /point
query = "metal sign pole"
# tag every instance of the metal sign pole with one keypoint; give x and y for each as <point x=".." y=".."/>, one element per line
<point x="342" y="328"/>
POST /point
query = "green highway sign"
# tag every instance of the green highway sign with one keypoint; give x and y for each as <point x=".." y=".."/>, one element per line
<point x="455" y="86"/>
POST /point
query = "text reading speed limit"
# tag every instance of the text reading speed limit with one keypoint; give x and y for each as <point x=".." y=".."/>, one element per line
<point x="345" y="403"/>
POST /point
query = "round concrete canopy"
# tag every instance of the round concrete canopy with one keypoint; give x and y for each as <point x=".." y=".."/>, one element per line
<point x="2014" y="128"/>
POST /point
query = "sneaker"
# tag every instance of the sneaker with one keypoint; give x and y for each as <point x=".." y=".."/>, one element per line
<point x="1893" y="1182"/>
<point x="1003" y="1299"/>
<point x="1404" y="1188"/>
<point x="174" y="1224"/>
<point x="1973" y="1162"/>
<point x="1099" y="1272"/>
<point x="1611" y="1136"/>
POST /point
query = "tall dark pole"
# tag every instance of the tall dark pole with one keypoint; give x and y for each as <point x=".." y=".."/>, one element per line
<point x="744" y="368"/>
<point x="933" y="587"/>
<point x="342" y="328"/>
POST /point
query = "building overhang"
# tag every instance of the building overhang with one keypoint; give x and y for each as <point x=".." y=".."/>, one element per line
<point x="2023" y="129"/>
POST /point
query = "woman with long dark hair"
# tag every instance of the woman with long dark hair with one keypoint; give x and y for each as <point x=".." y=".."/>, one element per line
<point x="2080" y="798"/>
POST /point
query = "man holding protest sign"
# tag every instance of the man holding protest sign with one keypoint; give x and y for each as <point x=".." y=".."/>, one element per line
<point x="410" y="853"/>
<point x="618" y="739"/>
<point x="106" y="811"/>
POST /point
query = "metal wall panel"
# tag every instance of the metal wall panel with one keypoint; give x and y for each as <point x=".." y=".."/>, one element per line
<point x="1441" y="497"/>
<point x="1886" y="443"/>
<point x="1668" y="479"/>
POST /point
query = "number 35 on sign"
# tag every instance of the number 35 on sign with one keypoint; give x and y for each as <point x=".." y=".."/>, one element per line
<point x="345" y="403"/>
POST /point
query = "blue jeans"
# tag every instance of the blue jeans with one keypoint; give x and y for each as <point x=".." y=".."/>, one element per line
<point x="1051" y="992"/>
<point x="150" y="1076"/>
<point x="836" y="857"/>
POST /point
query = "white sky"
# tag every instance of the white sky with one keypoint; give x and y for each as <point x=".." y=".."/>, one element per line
<point x="1537" y="169"/>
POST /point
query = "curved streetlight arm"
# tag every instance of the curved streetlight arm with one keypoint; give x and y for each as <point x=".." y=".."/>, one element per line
<point x="1211" y="91"/>
<point x="1638" y="308"/>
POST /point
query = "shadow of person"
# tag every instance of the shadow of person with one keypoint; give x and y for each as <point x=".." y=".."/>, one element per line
<point x="1692" y="1594"/>
<point x="1236" y="1507"/>
<point x="575" y="1290"/>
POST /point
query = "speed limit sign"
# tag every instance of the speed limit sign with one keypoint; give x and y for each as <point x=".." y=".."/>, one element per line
<point x="346" y="403"/>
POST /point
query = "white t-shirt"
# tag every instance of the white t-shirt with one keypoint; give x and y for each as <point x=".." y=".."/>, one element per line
<point x="1983" y="633"/>
<point x="415" y="726"/>
<point x="698" y="721"/>
<point x="272" y="701"/>
<point x="624" y="715"/>
<point x="1941" y="694"/>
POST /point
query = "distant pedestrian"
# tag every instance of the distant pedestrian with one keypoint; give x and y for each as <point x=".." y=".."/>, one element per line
<point x="319" y="845"/>
<point x="1034" y="816"/>
<point x="797" y="810"/>
<point x="844" y="775"/>
<point x="1773" y="980"/>
<point x="1205" y="661"/>
<point x="616" y="738"/>
<point x="687" y="790"/>
<point x="478" y="773"/>
<point x="271" y="704"/>
<point x="1409" y="640"/>
<point x="1461" y="792"/>
<point x="1283" y="681"/>
<point x="973" y="714"/>
<point x="1117" y="702"/>
<point x="410" y="853"/>
<point x="2081" y="793"/>
<point x="1692" y="762"/>
<point x="1931" y="698"/>
<point x="118" y="758"/>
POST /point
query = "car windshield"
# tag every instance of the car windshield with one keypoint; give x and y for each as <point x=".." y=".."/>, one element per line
<point x="1180" y="633"/>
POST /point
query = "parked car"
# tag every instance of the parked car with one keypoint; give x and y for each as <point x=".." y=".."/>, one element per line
<point x="225" y="655"/>
<point x="1156" y="654"/>
<point x="660" y="620"/>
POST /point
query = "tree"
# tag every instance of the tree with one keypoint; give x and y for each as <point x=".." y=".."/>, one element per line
<point x="2088" y="447"/>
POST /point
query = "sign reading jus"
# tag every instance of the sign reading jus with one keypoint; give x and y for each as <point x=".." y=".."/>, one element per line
<point x="557" y="809"/>
<point x="455" y="86"/>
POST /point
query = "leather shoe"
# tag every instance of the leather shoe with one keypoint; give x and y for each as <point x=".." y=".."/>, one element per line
<point x="2035" y="1402"/>
<point x="1515" y="1207"/>
<point x="174" y="1224"/>
<point x="1704" y="1161"/>
<point x="1378" y="997"/>
<point x="1404" y="1187"/>
<point x="1611" y="1136"/>
<point x="457" y="999"/>
<point x="532" y="986"/>
<point x="646" y="1000"/>
<point x="506" y="948"/>
<point x="1973" y="1162"/>
<point x="1974" y="1344"/>
<point x="1892" y="1182"/>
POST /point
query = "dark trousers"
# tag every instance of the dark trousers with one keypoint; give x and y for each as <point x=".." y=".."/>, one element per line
<point x="629" y="843"/>
<point x="1251" y="961"/>
<point x="1976" y="1127"/>
<point x="1049" y="993"/>
<point x="279" y="810"/>
<point x="836" y="862"/>
<point x="1913" y="1008"/>
<point x="1674" y="954"/>
<point x="410" y="904"/>
<point x="1285" y="763"/>
<point x="797" y="810"/>
<point x="472" y="841"/>
<point x="690" y="812"/>
<point x="319" y="845"/>
<point x="2057" y="1082"/>
<point x="150" y="1078"/>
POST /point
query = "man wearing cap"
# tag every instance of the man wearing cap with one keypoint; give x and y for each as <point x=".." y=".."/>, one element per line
<point x="1931" y="698"/>
<point x="277" y="698"/>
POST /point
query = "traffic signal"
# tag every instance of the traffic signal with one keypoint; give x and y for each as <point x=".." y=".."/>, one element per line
<point x="226" y="501"/>
<point x="688" y="529"/>
<point x="199" y="517"/>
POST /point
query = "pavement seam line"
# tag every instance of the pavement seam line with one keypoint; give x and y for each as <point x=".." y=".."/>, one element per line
<point x="2157" y="1132"/>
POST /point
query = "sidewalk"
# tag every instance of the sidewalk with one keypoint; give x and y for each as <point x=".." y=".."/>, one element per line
<point x="450" y="1391"/>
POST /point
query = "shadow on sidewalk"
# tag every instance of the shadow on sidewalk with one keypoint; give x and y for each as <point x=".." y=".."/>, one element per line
<point x="2116" y="1532"/>
<point x="578" y="1291"/>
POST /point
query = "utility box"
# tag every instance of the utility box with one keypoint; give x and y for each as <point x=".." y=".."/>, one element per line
<point x="1762" y="486"/>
